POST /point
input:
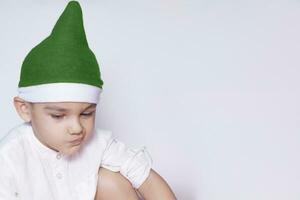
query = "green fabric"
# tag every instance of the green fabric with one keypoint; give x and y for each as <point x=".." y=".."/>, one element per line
<point x="64" y="56"/>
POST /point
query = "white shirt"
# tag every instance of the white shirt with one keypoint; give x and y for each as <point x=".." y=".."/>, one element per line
<point x="31" y="171"/>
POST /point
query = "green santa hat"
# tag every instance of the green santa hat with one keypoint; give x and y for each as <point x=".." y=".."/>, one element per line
<point x="62" y="67"/>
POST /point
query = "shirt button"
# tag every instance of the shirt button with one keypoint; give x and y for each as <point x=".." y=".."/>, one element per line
<point x="59" y="175"/>
<point x="58" y="156"/>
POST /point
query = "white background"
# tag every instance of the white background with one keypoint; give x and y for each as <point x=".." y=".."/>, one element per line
<point x="210" y="87"/>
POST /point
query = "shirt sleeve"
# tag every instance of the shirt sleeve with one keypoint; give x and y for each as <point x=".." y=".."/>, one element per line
<point x="7" y="187"/>
<point x="133" y="163"/>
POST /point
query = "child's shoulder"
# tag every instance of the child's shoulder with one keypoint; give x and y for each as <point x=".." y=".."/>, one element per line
<point x="13" y="139"/>
<point x="100" y="138"/>
<point x="103" y="133"/>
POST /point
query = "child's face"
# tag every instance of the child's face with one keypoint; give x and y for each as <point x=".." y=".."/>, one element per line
<point x="64" y="126"/>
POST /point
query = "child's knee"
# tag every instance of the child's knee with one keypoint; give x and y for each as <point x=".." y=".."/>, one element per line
<point x="112" y="185"/>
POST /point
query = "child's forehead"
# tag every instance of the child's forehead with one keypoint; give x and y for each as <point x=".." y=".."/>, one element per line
<point x="65" y="106"/>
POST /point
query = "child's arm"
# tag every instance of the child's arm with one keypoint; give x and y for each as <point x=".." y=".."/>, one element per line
<point x="7" y="183"/>
<point x="155" y="187"/>
<point x="136" y="166"/>
<point x="112" y="185"/>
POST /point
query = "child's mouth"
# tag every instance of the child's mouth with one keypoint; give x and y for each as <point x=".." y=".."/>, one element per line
<point x="79" y="140"/>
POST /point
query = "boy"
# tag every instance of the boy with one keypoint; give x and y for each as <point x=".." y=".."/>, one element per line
<point x="56" y="153"/>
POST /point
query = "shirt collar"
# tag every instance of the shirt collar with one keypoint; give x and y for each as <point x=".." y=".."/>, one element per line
<point x="42" y="149"/>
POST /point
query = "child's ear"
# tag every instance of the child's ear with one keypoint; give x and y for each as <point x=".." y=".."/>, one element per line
<point x="23" y="108"/>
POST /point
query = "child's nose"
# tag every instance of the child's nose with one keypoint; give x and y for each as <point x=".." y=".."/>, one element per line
<point x="75" y="128"/>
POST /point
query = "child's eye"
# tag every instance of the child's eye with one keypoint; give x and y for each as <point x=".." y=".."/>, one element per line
<point x="88" y="114"/>
<point x="57" y="116"/>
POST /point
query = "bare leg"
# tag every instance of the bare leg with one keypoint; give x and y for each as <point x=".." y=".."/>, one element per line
<point x="114" y="186"/>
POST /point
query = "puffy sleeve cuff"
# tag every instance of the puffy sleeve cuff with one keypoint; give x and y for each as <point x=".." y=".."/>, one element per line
<point x="133" y="163"/>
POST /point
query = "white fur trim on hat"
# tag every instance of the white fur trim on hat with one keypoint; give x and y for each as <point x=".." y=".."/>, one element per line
<point x="60" y="92"/>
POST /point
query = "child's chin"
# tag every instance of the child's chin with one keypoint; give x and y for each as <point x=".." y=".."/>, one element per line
<point x="71" y="151"/>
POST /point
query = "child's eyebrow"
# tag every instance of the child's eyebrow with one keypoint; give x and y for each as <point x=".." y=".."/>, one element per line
<point x="60" y="109"/>
<point x="90" y="106"/>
